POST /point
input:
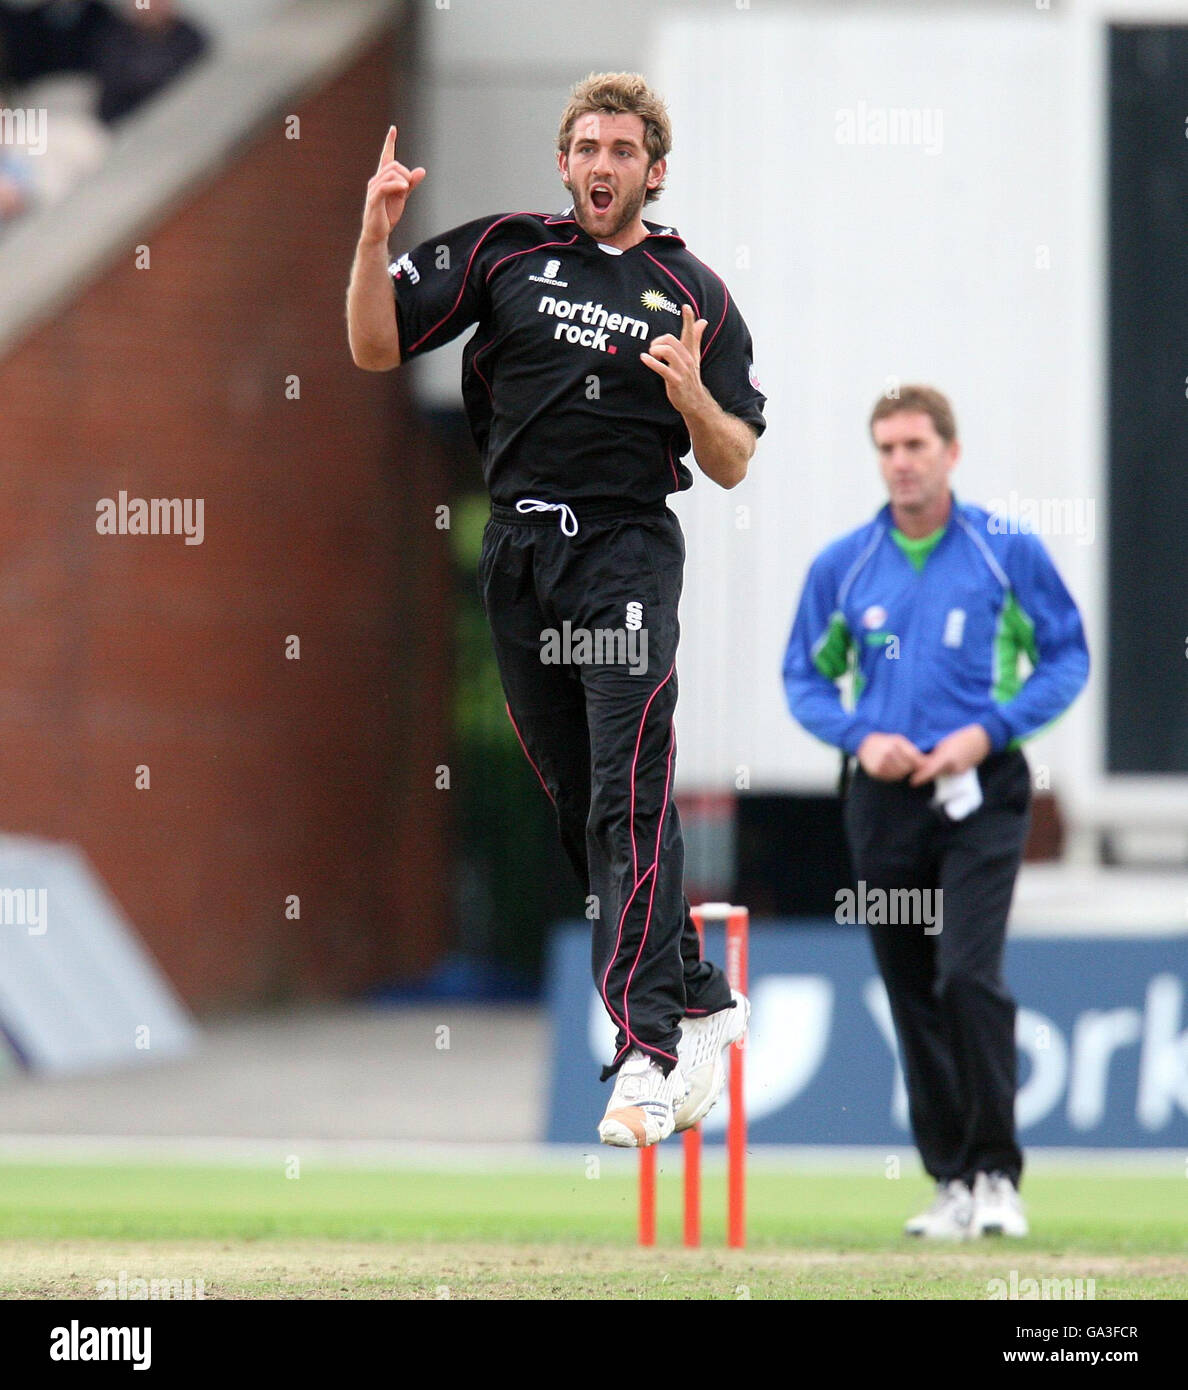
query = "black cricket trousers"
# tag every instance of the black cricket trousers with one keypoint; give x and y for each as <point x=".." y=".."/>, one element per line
<point x="953" y="1014"/>
<point x="598" y="729"/>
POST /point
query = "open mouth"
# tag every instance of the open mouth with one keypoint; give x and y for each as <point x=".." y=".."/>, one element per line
<point x="601" y="196"/>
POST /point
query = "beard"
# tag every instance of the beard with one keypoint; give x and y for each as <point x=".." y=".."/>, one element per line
<point x="597" y="225"/>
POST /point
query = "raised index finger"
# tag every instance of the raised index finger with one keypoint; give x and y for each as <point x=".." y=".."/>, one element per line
<point x="389" y="148"/>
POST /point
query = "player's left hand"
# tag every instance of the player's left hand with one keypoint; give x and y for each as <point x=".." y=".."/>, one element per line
<point x="678" y="361"/>
<point x="957" y="752"/>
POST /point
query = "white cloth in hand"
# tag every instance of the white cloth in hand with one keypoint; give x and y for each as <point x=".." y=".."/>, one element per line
<point x="958" y="794"/>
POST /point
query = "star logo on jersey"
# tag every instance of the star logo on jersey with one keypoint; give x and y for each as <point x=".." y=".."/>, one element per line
<point x="653" y="299"/>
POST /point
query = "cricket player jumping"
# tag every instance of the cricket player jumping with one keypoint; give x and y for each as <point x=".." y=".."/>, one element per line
<point x="604" y="351"/>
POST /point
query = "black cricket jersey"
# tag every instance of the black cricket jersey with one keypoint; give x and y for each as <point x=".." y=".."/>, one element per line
<point x="559" y="404"/>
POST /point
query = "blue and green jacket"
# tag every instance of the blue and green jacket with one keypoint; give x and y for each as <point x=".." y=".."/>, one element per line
<point x="973" y="627"/>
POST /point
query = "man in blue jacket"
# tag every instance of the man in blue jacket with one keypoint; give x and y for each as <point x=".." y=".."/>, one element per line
<point x="958" y="640"/>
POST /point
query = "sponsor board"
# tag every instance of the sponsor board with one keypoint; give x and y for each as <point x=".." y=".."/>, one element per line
<point x="1102" y="1037"/>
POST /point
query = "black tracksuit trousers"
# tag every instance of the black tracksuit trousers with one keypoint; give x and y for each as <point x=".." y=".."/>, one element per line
<point x="599" y="732"/>
<point x="953" y="1016"/>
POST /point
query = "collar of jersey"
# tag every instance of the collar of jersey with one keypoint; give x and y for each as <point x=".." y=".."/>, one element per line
<point x="655" y="230"/>
<point x="884" y="515"/>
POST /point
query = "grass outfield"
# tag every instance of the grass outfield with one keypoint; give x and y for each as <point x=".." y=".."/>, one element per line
<point x="346" y="1233"/>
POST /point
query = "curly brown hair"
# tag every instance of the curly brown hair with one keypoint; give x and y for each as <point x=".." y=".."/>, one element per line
<point x="620" y="93"/>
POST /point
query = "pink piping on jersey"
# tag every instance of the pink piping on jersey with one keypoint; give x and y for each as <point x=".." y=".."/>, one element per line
<point x="481" y="377"/>
<point x="511" y="255"/>
<point x="652" y="894"/>
<point x="725" y="304"/>
<point x="635" y="760"/>
<point x="506" y="218"/>
<point x="672" y="465"/>
<point x="705" y="347"/>
<point x="615" y="1018"/>
<point x="624" y="1023"/>
<point x="672" y="277"/>
<point x="528" y="755"/>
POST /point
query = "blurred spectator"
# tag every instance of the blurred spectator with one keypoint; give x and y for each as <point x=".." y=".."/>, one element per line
<point x="78" y="66"/>
<point x="133" y="52"/>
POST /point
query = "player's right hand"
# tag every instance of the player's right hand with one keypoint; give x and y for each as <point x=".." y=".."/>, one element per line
<point x="888" y="757"/>
<point x="387" y="192"/>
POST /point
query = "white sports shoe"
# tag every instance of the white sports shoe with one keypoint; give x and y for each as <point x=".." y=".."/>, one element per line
<point x="949" y="1216"/>
<point x="997" y="1207"/>
<point x="702" y="1053"/>
<point x="642" y="1107"/>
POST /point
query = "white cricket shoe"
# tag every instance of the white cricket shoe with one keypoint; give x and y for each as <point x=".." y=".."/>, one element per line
<point x="702" y="1053"/>
<point x="997" y="1207"/>
<point x="642" y="1107"/>
<point x="949" y="1216"/>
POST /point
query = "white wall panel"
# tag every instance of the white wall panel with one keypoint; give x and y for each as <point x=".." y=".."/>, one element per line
<point x="855" y="263"/>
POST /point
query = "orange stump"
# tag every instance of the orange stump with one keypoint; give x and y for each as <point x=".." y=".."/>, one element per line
<point x="692" y="1145"/>
<point x="736" y="1132"/>
<point x="647" y="1196"/>
<point x="737" y="922"/>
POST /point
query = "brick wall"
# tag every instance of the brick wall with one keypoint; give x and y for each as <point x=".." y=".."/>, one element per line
<point x="269" y="776"/>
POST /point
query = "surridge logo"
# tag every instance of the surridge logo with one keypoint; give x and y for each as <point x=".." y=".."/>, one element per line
<point x="551" y="271"/>
<point x="653" y="299"/>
